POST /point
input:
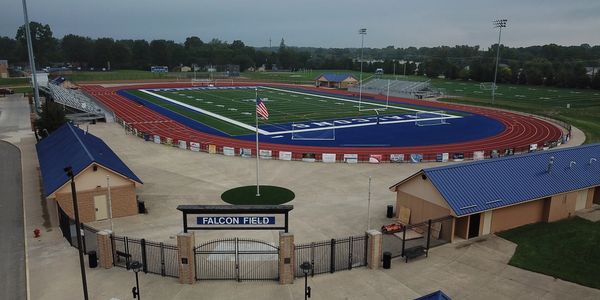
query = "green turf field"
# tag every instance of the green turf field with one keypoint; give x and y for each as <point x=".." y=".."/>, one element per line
<point x="584" y="111"/>
<point x="284" y="106"/>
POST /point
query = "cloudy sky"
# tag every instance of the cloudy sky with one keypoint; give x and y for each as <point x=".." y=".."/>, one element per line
<point x="318" y="23"/>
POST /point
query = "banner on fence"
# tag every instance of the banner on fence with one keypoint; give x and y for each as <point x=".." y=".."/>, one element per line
<point x="245" y="152"/>
<point x="495" y="154"/>
<point x="445" y="157"/>
<point x="533" y="147"/>
<point x="229" y="151"/>
<point x="265" y="154"/>
<point x="308" y="157"/>
<point x="212" y="149"/>
<point x="396" y="158"/>
<point x="375" y="158"/>
<point x="459" y="156"/>
<point x="195" y="146"/>
<point x="157" y="139"/>
<point x="328" y="157"/>
<point x="182" y="144"/>
<point x="509" y="152"/>
<point x="416" y="157"/>
<point x="285" y="155"/>
<point x="351" y="158"/>
<point x="478" y="155"/>
<point x="169" y="142"/>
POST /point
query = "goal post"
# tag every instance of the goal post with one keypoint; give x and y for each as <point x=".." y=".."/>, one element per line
<point x="487" y="86"/>
<point x="431" y="118"/>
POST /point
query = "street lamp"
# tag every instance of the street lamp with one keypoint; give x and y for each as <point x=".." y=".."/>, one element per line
<point x="306" y="267"/>
<point x="69" y="171"/>
<point x="497" y="24"/>
<point x="136" y="266"/>
<point x="362" y="32"/>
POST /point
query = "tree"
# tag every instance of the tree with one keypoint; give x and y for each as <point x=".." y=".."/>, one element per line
<point x="103" y="52"/>
<point x="595" y="84"/>
<point x="8" y="49"/>
<point x="77" y="49"/>
<point x="44" y="45"/>
<point x="140" y="52"/>
<point x="51" y="118"/>
<point x="193" y="42"/>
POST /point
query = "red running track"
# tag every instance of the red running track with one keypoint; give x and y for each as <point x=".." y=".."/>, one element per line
<point x="520" y="131"/>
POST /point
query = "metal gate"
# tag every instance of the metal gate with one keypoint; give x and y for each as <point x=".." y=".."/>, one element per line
<point x="237" y="259"/>
<point x="333" y="255"/>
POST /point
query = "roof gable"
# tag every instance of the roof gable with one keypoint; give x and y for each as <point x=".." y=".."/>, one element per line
<point x="478" y="186"/>
<point x="335" y="77"/>
<point x="69" y="145"/>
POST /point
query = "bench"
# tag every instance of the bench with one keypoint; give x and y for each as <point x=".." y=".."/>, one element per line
<point x="414" y="252"/>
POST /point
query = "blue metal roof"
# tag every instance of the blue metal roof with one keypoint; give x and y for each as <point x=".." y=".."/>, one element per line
<point x="69" y="145"/>
<point x="483" y="185"/>
<point x="437" y="295"/>
<point x="335" y="77"/>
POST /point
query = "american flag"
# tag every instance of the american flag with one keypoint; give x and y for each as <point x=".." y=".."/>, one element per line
<point x="261" y="109"/>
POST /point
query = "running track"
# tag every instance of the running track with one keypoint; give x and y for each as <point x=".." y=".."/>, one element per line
<point x="520" y="130"/>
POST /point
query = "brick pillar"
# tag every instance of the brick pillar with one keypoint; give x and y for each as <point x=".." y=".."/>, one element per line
<point x="287" y="259"/>
<point x="374" y="249"/>
<point x="105" y="249"/>
<point x="186" y="257"/>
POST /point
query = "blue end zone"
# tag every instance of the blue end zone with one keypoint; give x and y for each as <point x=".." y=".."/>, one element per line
<point x="467" y="128"/>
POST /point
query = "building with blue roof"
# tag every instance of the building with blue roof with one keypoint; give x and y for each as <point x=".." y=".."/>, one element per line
<point x="102" y="179"/>
<point x="498" y="194"/>
<point x="336" y="80"/>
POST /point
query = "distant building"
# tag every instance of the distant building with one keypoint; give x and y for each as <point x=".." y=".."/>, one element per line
<point x="592" y="71"/>
<point x="185" y="69"/>
<point x="3" y="69"/>
<point x="338" y="81"/>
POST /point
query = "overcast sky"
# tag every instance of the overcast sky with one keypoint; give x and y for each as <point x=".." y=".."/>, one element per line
<point x="318" y="23"/>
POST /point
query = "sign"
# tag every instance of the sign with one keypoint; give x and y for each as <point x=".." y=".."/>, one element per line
<point x="182" y="144"/>
<point x="308" y="157"/>
<point x="375" y="158"/>
<point x="248" y="217"/>
<point x="328" y="157"/>
<point x="212" y="149"/>
<point x="478" y="155"/>
<point x="351" y="158"/>
<point x="245" y="152"/>
<point x="416" y="158"/>
<point x="233" y="220"/>
<point x="265" y="154"/>
<point x="285" y="155"/>
<point x="157" y="139"/>
<point x="229" y="151"/>
<point x="195" y="146"/>
<point x="396" y="158"/>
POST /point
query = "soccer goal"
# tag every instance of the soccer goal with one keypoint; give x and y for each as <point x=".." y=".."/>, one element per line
<point x="431" y="118"/>
<point x="487" y="86"/>
<point x="200" y="82"/>
<point x="300" y="132"/>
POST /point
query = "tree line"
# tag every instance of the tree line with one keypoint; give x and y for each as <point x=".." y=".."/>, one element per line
<point x="551" y="65"/>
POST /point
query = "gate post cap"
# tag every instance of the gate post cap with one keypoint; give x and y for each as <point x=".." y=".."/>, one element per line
<point x="185" y="234"/>
<point x="281" y="233"/>
<point x="373" y="232"/>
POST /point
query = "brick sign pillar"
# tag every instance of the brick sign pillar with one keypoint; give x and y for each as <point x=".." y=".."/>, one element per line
<point x="287" y="259"/>
<point x="186" y="257"/>
<point x="105" y="249"/>
<point x="374" y="249"/>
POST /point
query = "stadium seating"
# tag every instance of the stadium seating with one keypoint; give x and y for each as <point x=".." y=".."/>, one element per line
<point x="399" y="88"/>
<point x="74" y="99"/>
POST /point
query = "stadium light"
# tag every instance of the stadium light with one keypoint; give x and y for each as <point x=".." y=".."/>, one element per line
<point x="500" y="23"/>
<point x="36" y="91"/>
<point x="362" y="32"/>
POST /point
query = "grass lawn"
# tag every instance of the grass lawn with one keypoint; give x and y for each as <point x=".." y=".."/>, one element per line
<point x="567" y="249"/>
<point x="126" y="75"/>
<point x="269" y="195"/>
<point x="16" y="81"/>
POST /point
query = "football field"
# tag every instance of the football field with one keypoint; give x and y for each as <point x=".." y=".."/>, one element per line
<point x="231" y="110"/>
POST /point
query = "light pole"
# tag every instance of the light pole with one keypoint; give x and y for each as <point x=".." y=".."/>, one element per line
<point x="306" y="267"/>
<point x="136" y="266"/>
<point x="497" y="24"/>
<point x="36" y="92"/>
<point x="362" y="32"/>
<point x="69" y="172"/>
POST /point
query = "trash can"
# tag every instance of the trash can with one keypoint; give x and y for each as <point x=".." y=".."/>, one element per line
<point x="390" y="211"/>
<point x="141" y="207"/>
<point x="387" y="260"/>
<point x="93" y="259"/>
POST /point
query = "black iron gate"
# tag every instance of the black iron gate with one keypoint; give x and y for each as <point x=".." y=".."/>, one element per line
<point x="67" y="227"/>
<point x="237" y="259"/>
<point x="333" y="255"/>
<point x="156" y="258"/>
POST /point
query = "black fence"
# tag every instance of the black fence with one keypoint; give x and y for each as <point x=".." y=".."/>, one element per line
<point x="237" y="259"/>
<point x="426" y="235"/>
<point x="90" y="239"/>
<point x="67" y="227"/>
<point x="332" y="255"/>
<point x="156" y="258"/>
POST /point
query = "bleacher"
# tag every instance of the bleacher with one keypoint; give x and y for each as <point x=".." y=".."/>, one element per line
<point x="76" y="100"/>
<point x="399" y="88"/>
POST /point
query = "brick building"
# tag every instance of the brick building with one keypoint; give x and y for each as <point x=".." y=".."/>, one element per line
<point x="498" y="194"/>
<point x="3" y="68"/>
<point x="102" y="179"/>
<point x="338" y="81"/>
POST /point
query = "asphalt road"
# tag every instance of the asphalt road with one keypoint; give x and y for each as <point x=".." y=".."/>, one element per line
<point x="12" y="247"/>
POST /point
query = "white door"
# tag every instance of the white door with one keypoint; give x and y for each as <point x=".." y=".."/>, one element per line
<point x="581" y="200"/>
<point x="487" y="222"/>
<point x="101" y="207"/>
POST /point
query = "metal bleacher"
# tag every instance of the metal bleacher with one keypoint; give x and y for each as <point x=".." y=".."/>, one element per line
<point x="85" y="108"/>
<point x="399" y="88"/>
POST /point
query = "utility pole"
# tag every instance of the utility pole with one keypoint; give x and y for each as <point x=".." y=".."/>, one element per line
<point x="362" y="32"/>
<point x="36" y="91"/>
<point x="497" y="24"/>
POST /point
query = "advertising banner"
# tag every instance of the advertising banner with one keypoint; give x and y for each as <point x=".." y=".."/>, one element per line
<point x="478" y="155"/>
<point x="416" y="158"/>
<point x="157" y="139"/>
<point x="195" y="146"/>
<point x="229" y="151"/>
<point x="265" y="154"/>
<point x="396" y="158"/>
<point x="182" y="145"/>
<point x="351" y="158"/>
<point x="375" y="158"/>
<point x="212" y="149"/>
<point x="328" y="157"/>
<point x="245" y="152"/>
<point x="285" y="155"/>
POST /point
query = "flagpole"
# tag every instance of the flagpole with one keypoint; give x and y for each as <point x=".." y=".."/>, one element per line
<point x="257" y="155"/>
